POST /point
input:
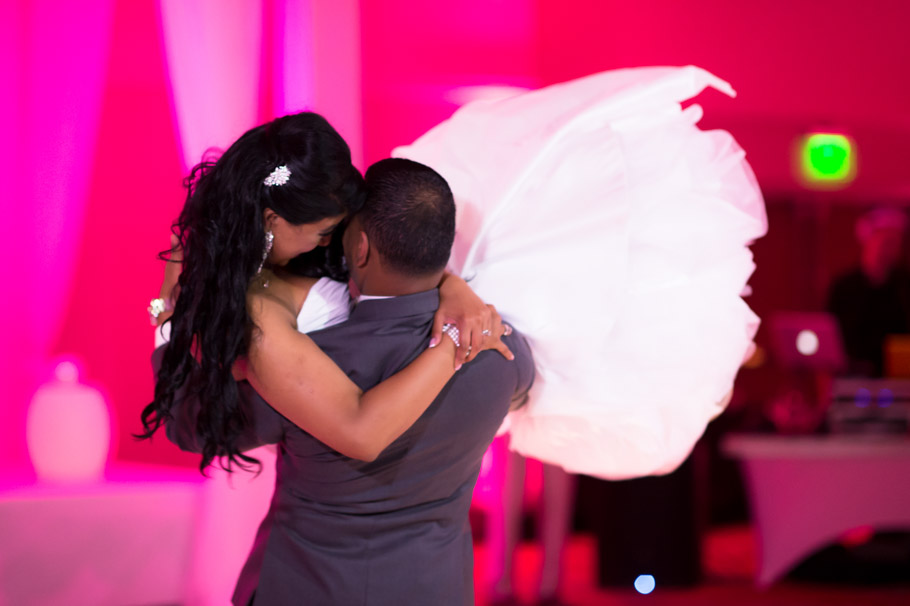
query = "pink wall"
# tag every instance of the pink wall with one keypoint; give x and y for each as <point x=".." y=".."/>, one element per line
<point x="415" y="53"/>
<point x="795" y="65"/>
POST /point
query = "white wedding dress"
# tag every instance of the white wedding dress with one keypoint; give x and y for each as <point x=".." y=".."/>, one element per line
<point x="613" y="233"/>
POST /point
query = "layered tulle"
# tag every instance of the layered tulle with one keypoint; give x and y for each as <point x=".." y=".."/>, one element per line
<point x="613" y="232"/>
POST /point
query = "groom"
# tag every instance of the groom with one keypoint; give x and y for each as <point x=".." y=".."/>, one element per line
<point x="394" y="530"/>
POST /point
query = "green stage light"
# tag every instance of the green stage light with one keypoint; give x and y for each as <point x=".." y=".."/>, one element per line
<point x="827" y="159"/>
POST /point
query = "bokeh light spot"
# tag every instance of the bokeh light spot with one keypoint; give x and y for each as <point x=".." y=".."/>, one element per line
<point x="645" y="584"/>
<point x="885" y="398"/>
<point x="807" y="342"/>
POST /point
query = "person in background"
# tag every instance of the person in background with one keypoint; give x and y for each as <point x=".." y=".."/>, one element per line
<point x="873" y="300"/>
<point x="504" y="517"/>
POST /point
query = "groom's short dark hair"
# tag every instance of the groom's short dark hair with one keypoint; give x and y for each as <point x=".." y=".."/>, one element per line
<point x="409" y="216"/>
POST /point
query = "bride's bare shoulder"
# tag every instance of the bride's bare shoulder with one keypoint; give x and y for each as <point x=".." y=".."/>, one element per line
<point x="277" y="296"/>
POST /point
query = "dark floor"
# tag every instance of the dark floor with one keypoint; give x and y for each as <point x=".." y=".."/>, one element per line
<point x="728" y="566"/>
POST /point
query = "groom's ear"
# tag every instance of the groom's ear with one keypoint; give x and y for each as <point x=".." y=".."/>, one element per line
<point x="362" y="249"/>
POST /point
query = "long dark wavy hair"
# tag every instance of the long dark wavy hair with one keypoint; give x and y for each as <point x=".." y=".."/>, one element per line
<point x="222" y="234"/>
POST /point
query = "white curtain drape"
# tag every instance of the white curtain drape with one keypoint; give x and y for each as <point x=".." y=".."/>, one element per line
<point x="213" y="50"/>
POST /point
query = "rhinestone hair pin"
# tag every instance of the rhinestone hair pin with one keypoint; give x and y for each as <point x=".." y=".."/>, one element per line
<point x="279" y="176"/>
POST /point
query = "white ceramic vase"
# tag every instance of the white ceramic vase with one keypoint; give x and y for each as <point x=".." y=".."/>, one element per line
<point x="68" y="429"/>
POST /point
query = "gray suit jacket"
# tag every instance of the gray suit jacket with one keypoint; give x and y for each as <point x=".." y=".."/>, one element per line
<point x="392" y="531"/>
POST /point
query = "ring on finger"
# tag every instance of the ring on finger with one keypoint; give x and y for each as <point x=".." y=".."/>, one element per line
<point x="486" y="332"/>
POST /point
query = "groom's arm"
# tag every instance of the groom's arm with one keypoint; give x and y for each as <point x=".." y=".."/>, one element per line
<point x="264" y="424"/>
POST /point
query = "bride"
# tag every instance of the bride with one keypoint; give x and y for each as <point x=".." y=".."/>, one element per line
<point x="251" y="244"/>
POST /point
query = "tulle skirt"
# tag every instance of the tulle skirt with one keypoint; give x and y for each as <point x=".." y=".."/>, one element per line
<point x="613" y="233"/>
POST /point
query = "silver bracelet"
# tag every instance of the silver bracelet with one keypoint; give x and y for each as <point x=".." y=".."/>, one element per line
<point x="452" y="331"/>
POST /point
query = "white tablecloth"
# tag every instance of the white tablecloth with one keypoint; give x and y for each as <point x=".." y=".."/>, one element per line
<point x="807" y="491"/>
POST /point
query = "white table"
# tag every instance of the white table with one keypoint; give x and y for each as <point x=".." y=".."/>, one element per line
<point x="145" y="535"/>
<point x="127" y="540"/>
<point x="807" y="491"/>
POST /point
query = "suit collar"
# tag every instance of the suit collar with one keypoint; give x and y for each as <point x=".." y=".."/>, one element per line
<point x="425" y="302"/>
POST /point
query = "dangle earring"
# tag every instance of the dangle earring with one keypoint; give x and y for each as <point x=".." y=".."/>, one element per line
<point x="269" y="240"/>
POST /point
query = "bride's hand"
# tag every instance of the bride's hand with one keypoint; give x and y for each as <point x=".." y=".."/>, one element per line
<point x="169" y="289"/>
<point x="479" y="324"/>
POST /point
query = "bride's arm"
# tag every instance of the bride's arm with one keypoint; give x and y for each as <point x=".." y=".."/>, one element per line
<point x="302" y="383"/>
